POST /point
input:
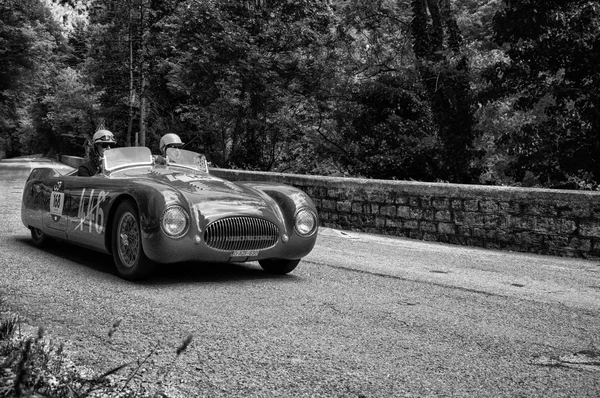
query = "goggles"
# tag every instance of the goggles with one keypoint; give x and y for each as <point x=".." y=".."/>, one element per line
<point x="105" y="138"/>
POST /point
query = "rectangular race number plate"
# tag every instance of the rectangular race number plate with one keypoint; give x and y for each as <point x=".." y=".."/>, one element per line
<point x="244" y="253"/>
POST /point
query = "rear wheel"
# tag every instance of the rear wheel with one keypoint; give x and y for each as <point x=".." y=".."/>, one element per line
<point x="38" y="236"/>
<point x="278" y="266"/>
<point x="128" y="253"/>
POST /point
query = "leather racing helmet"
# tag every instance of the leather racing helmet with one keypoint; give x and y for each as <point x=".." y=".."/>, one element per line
<point x="169" y="140"/>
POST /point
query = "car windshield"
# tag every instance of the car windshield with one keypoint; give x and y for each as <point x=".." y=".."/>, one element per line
<point x="189" y="159"/>
<point x="127" y="157"/>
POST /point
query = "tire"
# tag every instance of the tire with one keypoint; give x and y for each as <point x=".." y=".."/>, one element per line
<point x="128" y="254"/>
<point x="38" y="237"/>
<point x="278" y="266"/>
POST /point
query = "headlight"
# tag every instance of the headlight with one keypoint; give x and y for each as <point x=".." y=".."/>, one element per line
<point x="305" y="222"/>
<point x="174" y="221"/>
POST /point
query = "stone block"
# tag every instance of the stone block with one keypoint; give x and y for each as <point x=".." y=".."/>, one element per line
<point x="471" y="205"/>
<point x="344" y="206"/>
<point x="459" y="217"/>
<point x="414" y="202"/>
<point x="392" y="223"/>
<point x="457" y="204"/>
<point x="446" y="228"/>
<point x="430" y="237"/>
<point x="388" y="211"/>
<point x="401" y="200"/>
<point x="442" y="215"/>
<point x="345" y="221"/>
<point x="421" y="214"/>
<point x="589" y="228"/>
<point x="335" y="193"/>
<point x="377" y="196"/>
<point x="577" y="210"/>
<point x="427" y="226"/>
<point x="540" y="209"/>
<point x="488" y="206"/>
<point x="522" y="223"/>
<point x="464" y="230"/>
<point x="473" y="219"/>
<point x="510" y="208"/>
<point x="440" y="203"/>
<point x="415" y="234"/>
<point x="581" y="244"/>
<point x="426" y="202"/>
<point x="328" y="204"/>
<point x="411" y="224"/>
<point x="357" y="207"/>
<point x="555" y="242"/>
<point x="403" y="212"/>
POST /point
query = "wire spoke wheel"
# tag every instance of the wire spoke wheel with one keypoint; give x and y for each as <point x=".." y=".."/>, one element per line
<point x="127" y="249"/>
<point x="128" y="240"/>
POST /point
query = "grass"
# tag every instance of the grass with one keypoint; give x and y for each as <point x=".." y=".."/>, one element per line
<point x="31" y="366"/>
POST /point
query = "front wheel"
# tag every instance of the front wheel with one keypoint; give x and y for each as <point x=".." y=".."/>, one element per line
<point x="278" y="266"/>
<point x="38" y="236"/>
<point x="128" y="254"/>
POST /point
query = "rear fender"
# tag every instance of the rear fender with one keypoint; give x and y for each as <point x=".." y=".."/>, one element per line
<point x="35" y="193"/>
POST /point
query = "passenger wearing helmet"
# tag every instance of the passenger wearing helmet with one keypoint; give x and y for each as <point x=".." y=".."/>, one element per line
<point x="170" y="140"/>
<point x="102" y="141"/>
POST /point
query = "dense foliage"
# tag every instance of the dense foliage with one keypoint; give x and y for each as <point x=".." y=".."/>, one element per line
<point x="467" y="91"/>
<point x="553" y="75"/>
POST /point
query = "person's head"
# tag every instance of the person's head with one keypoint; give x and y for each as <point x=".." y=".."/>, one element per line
<point x="103" y="140"/>
<point x="170" y="140"/>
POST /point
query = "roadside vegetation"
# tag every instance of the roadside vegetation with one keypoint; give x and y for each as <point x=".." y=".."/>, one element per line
<point x="33" y="366"/>
<point x="486" y="92"/>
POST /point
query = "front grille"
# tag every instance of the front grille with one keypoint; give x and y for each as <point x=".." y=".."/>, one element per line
<point x="241" y="233"/>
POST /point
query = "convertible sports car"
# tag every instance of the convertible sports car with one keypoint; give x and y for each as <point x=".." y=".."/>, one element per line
<point x="144" y="213"/>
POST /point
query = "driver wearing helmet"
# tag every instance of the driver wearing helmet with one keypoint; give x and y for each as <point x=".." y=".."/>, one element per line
<point x="102" y="141"/>
<point x="170" y="140"/>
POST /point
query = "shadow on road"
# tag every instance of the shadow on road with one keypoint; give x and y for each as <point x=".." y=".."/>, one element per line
<point x="164" y="274"/>
<point x="198" y="272"/>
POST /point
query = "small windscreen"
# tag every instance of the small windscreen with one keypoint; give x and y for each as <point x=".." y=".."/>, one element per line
<point x="188" y="159"/>
<point x="127" y="157"/>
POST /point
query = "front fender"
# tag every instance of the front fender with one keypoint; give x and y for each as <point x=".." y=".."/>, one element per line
<point x="289" y="200"/>
<point x="150" y="201"/>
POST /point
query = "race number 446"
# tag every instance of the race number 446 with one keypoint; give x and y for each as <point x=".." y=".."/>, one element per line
<point x="91" y="212"/>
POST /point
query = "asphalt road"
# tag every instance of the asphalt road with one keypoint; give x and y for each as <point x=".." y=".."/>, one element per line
<point x="362" y="316"/>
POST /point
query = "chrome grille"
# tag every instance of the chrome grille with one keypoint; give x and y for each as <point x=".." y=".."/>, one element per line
<point x="241" y="233"/>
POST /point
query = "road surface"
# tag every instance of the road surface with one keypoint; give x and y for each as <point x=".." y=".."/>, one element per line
<point x="362" y="316"/>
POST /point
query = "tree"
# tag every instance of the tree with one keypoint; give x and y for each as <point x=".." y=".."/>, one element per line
<point x="31" y="45"/>
<point x="387" y="131"/>
<point x="117" y="63"/>
<point x="444" y="70"/>
<point x="243" y="73"/>
<point x="72" y="109"/>
<point x="554" y="50"/>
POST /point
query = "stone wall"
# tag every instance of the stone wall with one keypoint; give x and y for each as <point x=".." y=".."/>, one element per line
<point x="565" y="223"/>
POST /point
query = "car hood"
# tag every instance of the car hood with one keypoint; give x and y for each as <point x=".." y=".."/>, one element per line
<point x="212" y="198"/>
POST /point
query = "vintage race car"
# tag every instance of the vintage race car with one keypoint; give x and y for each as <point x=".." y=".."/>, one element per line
<point x="144" y="213"/>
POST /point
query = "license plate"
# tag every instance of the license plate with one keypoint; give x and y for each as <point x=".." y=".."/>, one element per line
<point x="244" y="253"/>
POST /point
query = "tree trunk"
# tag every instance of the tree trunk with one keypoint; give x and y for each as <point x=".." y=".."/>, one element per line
<point x="131" y="78"/>
<point x="142" y="79"/>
